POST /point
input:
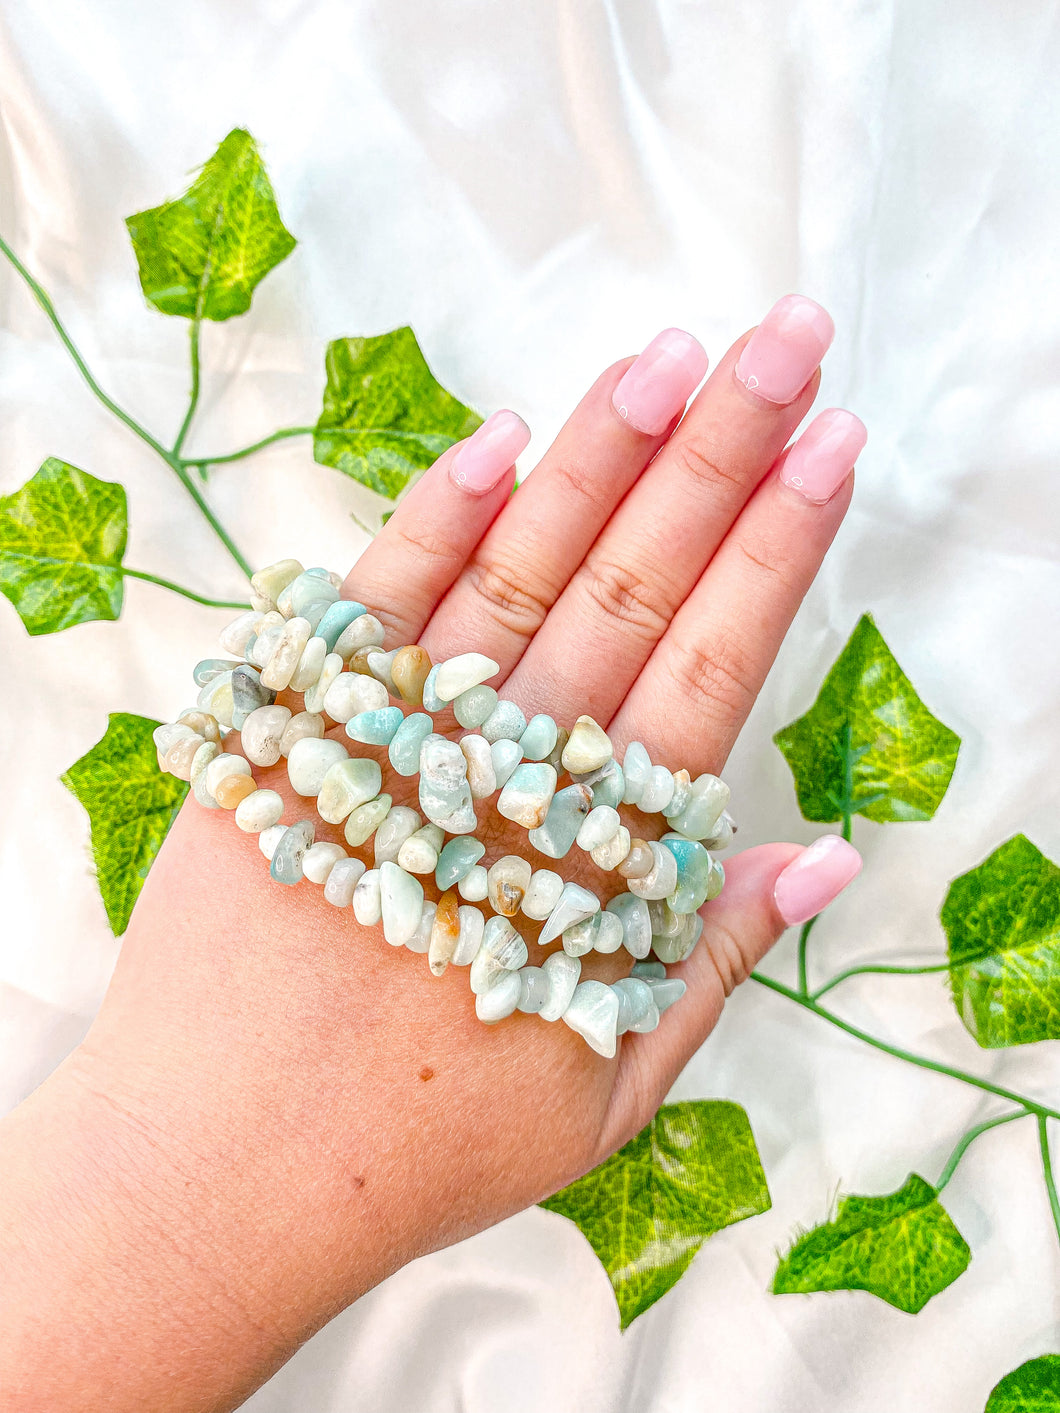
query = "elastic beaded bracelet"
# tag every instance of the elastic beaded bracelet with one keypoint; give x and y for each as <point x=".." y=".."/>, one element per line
<point x="300" y="636"/>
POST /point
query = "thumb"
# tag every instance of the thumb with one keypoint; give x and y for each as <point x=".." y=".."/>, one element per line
<point x="767" y="889"/>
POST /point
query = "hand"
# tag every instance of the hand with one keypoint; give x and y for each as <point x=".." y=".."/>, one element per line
<point x="274" y="1109"/>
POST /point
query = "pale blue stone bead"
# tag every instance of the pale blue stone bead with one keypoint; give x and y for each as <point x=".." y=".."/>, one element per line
<point x="636" y="766"/>
<point x="717" y="879"/>
<point x="501" y="999"/>
<point x="556" y="836"/>
<point x="575" y="905"/>
<point x="647" y="1023"/>
<point x="658" y="792"/>
<point x="248" y="694"/>
<point x="286" y="866"/>
<point x="431" y="700"/>
<point x="666" y="991"/>
<point x="505" y="720"/>
<point x="212" y="667"/>
<point x="634" y="1001"/>
<point x="648" y="969"/>
<point x="401" y="903"/>
<point x="473" y="706"/>
<point x="309" y="588"/>
<point x="539" y="738"/>
<point x="593" y="1014"/>
<point x="694" y="870"/>
<point x="633" y="914"/>
<point x="608" y="784"/>
<point x="699" y="818"/>
<point x="407" y="741"/>
<point x="506" y="756"/>
<point x="502" y="950"/>
<point x="457" y="860"/>
<point x="337" y="619"/>
<point x="580" y="937"/>
<point x="527" y="795"/>
<point x="680" y="947"/>
<point x="314" y="612"/>
<point x="375" y="728"/>
<point x="533" y="990"/>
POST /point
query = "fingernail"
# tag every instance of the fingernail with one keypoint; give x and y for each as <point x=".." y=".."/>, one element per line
<point x="819" y="874"/>
<point x="489" y="452"/>
<point x="656" y="386"/>
<point x="784" y="350"/>
<point x="822" y="458"/>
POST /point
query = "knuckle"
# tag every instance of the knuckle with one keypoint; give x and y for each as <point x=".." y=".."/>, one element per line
<point x="430" y="550"/>
<point x="579" y="480"/>
<point x="716" y="680"/>
<point x="732" y="956"/>
<point x="623" y="593"/>
<point x="505" y="593"/>
<point x="697" y="460"/>
<point x="776" y="566"/>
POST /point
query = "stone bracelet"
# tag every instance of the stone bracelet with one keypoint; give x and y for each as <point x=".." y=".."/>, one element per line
<point x="300" y="636"/>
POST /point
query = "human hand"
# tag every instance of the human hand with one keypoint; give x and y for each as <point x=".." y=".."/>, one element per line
<point x="297" y="1109"/>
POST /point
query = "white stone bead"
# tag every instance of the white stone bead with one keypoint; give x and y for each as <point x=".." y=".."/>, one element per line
<point x="342" y="880"/>
<point x="262" y="732"/>
<point x="661" y="881"/>
<point x="320" y="859"/>
<point x="278" y="671"/>
<point x="420" y="940"/>
<point x="269" y="839"/>
<point x="303" y="724"/>
<point x="268" y="583"/>
<point x="575" y="904"/>
<point x="500" y="1000"/>
<point x="223" y="765"/>
<point x="636" y="769"/>
<point x="367" y="899"/>
<point x="502" y="950"/>
<point x="400" y="824"/>
<point x="533" y="991"/>
<point x="314" y="697"/>
<point x="310" y="665"/>
<point x="216" y="698"/>
<point x="379" y="664"/>
<point x="348" y="785"/>
<point x="353" y="692"/>
<point x="474" y="886"/>
<point x="260" y="810"/>
<point x="507" y="881"/>
<point x="208" y="751"/>
<point x="609" y="933"/>
<point x="588" y="747"/>
<point x="506" y="720"/>
<point x="261" y="649"/>
<point x="562" y="973"/>
<point x="472" y="926"/>
<point x="459" y="674"/>
<point x="593" y="1013"/>
<point x="170" y="732"/>
<point x="481" y="775"/>
<point x="235" y="637"/>
<point x="309" y="762"/>
<point x="401" y="900"/>
<point x="506" y="755"/>
<point x="445" y="933"/>
<point x="528" y="794"/>
<point x="364" y="632"/>
<point x="635" y="1001"/>
<point x="542" y="894"/>
<point x="608" y="856"/>
<point x="581" y="937"/>
<point x="599" y="825"/>
<point x="658" y="792"/>
<point x="419" y="852"/>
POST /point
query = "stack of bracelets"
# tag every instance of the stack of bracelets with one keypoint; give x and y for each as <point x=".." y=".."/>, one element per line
<point x="302" y="637"/>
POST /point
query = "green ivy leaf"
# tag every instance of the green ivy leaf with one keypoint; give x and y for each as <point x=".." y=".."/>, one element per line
<point x="131" y="805"/>
<point x="62" y="538"/>
<point x="648" y="1209"/>
<point x="203" y="254"/>
<point x="385" y="416"/>
<point x="902" y="1247"/>
<point x="1032" y="1388"/>
<point x="868" y="744"/>
<point x="1002" y="923"/>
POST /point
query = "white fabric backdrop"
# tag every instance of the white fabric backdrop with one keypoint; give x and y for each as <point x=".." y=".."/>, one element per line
<point x="538" y="188"/>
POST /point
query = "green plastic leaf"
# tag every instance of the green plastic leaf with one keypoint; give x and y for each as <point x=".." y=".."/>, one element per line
<point x="1032" y="1388"/>
<point x="131" y="805"/>
<point x="385" y="416"/>
<point x="62" y="537"/>
<point x="902" y="1247"/>
<point x="203" y="254"/>
<point x="868" y="745"/>
<point x="648" y="1209"/>
<point x="1002" y="923"/>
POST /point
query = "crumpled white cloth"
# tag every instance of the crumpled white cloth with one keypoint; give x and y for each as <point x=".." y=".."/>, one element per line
<point x="538" y="187"/>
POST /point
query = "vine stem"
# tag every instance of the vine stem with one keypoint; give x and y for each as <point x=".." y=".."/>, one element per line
<point x="1047" y="1170"/>
<point x="179" y="589"/>
<point x="846" y="807"/>
<point x="193" y="401"/>
<point x="969" y="1138"/>
<point x="279" y="436"/>
<point x="878" y="969"/>
<point x="173" y="461"/>
<point x="809" y="1004"/>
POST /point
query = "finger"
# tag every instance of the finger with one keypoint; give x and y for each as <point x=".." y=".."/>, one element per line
<point x="767" y="889"/>
<point x="525" y="561"/>
<point x="657" y="544"/>
<point x="717" y="652"/>
<point x="425" y="544"/>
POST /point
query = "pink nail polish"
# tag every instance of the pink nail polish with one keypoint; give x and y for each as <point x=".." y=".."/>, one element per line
<point x="782" y="353"/>
<point x="489" y="452"/>
<point x="822" y="458"/>
<point x="655" y="388"/>
<point x="819" y="874"/>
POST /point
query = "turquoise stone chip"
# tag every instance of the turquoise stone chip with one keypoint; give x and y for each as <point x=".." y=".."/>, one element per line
<point x="375" y="728"/>
<point x="699" y="818"/>
<point x="473" y="706"/>
<point x="539" y="738"/>
<point x="337" y="619"/>
<point x="406" y="742"/>
<point x="286" y="866"/>
<point x="314" y="612"/>
<point x="694" y="870"/>
<point x="505" y="720"/>
<point x="506" y="756"/>
<point x="633" y="914"/>
<point x="556" y="836"/>
<point x="431" y="700"/>
<point x="310" y="588"/>
<point x="212" y="667"/>
<point x="648" y="969"/>
<point x="608" y="784"/>
<point x="457" y="860"/>
<point x="248" y="694"/>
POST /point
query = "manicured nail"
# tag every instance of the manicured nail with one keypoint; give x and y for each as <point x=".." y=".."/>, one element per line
<point x="819" y="874"/>
<point x="784" y="350"/>
<point x="822" y="458"/>
<point x="488" y="453"/>
<point x="655" y="388"/>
